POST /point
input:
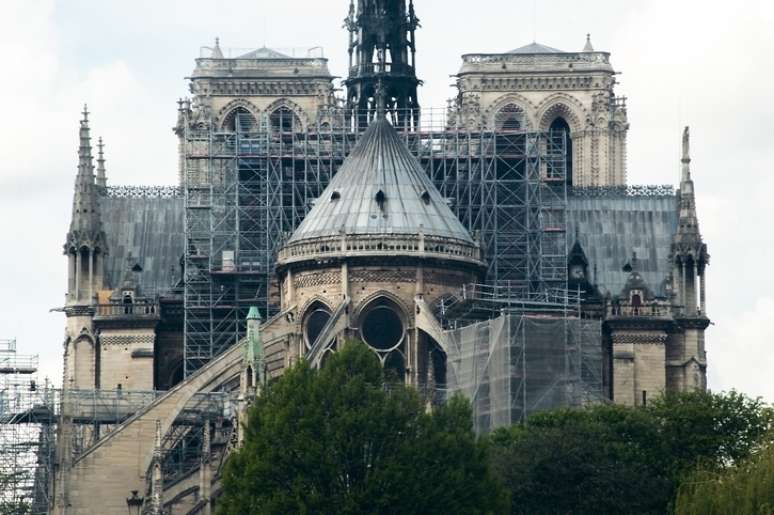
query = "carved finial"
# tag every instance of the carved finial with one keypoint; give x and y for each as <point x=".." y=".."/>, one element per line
<point x="686" y="160"/>
<point x="217" y="42"/>
<point x="589" y="47"/>
<point x="85" y="113"/>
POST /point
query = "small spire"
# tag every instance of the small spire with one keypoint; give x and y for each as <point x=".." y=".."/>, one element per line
<point x="85" y="220"/>
<point x="217" y="53"/>
<point x="589" y="47"/>
<point x="101" y="173"/>
<point x="686" y="160"/>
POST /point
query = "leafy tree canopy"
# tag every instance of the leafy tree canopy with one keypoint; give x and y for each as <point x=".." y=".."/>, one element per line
<point x="342" y="440"/>
<point x="614" y="459"/>
<point x="745" y="489"/>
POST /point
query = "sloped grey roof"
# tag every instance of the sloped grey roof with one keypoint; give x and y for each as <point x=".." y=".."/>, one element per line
<point x="380" y="162"/>
<point x="610" y="230"/>
<point x="151" y="231"/>
<point x="535" y="48"/>
<point x="264" y="53"/>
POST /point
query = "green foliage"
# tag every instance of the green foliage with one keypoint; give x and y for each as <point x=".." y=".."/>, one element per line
<point x="14" y="508"/>
<point x="747" y="489"/>
<point x="342" y="440"/>
<point x="614" y="459"/>
<point x="594" y="461"/>
<point x="714" y="429"/>
<point x="11" y="507"/>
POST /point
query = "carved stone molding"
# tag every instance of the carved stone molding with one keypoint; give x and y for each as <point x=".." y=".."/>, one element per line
<point x="134" y="339"/>
<point x="640" y="337"/>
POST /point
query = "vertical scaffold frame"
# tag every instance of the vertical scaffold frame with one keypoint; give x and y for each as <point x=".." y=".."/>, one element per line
<point x="246" y="189"/>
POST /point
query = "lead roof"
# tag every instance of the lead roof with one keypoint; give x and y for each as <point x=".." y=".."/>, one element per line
<point x="380" y="189"/>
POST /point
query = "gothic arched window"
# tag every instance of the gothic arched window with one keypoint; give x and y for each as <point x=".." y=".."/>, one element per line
<point x="560" y="131"/>
<point x="239" y="120"/>
<point x="284" y="120"/>
<point x="509" y="118"/>
<point x="314" y="322"/>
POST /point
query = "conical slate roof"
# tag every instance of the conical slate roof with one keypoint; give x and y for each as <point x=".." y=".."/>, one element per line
<point x="380" y="189"/>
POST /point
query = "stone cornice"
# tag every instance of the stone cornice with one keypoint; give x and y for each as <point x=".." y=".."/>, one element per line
<point x="682" y="363"/>
<point x="508" y="81"/>
<point x="700" y="323"/>
<point x="79" y="311"/>
<point x="564" y="62"/>
<point x="229" y="86"/>
<point x="640" y="324"/>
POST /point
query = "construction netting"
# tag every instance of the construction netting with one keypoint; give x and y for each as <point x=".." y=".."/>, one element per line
<point x="515" y="365"/>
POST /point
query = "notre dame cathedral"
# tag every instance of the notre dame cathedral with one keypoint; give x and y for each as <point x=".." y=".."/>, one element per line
<point x="492" y="247"/>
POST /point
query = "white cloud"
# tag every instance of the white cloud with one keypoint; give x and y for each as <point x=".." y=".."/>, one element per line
<point x="741" y="356"/>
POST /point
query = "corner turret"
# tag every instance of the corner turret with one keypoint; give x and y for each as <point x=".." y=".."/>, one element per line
<point x="85" y="245"/>
<point x="687" y="357"/>
<point x="689" y="252"/>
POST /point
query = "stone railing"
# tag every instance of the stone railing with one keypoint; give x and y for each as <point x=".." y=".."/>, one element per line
<point x="645" y="190"/>
<point x="545" y="59"/>
<point x="632" y="311"/>
<point x="139" y="309"/>
<point x="140" y="192"/>
<point x="207" y="66"/>
<point x="377" y="244"/>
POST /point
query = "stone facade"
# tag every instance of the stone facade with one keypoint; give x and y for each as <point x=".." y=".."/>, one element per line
<point x="540" y="88"/>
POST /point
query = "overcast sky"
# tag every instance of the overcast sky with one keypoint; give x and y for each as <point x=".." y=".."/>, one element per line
<point x="702" y="63"/>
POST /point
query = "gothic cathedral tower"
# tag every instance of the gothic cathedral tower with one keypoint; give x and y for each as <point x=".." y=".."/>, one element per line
<point x="382" y="61"/>
<point x="85" y="249"/>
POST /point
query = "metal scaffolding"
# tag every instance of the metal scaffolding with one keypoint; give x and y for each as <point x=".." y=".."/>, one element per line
<point x="248" y="185"/>
<point x="28" y="415"/>
<point x="33" y="416"/>
<point x="517" y="364"/>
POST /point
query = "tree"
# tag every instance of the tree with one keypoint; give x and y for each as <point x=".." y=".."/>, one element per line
<point x="614" y="459"/>
<point x="746" y="489"/>
<point x="716" y="430"/>
<point x="594" y="461"/>
<point x="343" y="440"/>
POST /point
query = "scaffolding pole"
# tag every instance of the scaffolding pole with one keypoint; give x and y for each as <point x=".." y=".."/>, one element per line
<point x="249" y="183"/>
<point x="27" y="428"/>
